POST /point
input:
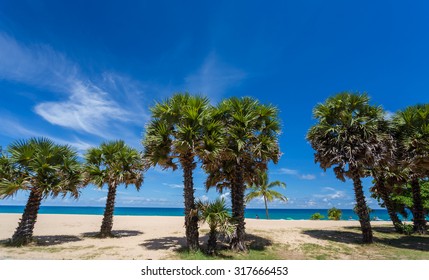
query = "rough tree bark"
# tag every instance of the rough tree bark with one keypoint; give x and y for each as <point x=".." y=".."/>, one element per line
<point x="191" y="217"/>
<point x="418" y="210"/>
<point x="107" y="224"/>
<point x="382" y="189"/>
<point x="24" y="232"/>
<point x="237" y="196"/>
<point x="362" y="211"/>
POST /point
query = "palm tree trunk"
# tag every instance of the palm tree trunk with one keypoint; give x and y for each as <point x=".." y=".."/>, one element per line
<point x="266" y="208"/>
<point x="362" y="211"/>
<point x="237" y="196"/>
<point x="24" y="232"/>
<point x="212" y="243"/>
<point x="191" y="217"/>
<point x="418" y="210"/>
<point x="381" y="187"/>
<point x="107" y="224"/>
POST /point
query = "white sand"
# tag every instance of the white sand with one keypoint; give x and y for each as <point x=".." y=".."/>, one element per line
<point x="142" y="237"/>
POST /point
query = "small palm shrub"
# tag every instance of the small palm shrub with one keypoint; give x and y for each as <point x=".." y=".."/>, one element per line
<point x="317" y="216"/>
<point x="334" y="214"/>
<point x="217" y="216"/>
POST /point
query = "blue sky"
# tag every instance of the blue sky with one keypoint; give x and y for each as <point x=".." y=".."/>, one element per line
<point x="82" y="72"/>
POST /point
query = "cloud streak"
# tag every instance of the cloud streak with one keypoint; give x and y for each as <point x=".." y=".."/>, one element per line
<point x="87" y="109"/>
<point x="214" y="78"/>
<point x="294" y="172"/>
<point x="94" y="105"/>
<point x="12" y="128"/>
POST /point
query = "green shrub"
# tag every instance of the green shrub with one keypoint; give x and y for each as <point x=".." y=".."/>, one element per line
<point x="317" y="216"/>
<point x="406" y="229"/>
<point x="334" y="214"/>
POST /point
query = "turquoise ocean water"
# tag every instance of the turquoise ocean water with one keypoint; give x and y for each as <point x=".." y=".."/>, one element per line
<point x="275" y="214"/>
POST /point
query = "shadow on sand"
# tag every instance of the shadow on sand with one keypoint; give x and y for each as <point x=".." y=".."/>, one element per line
<point x="414" y="242"/>
<point x="165" y="243"/>
<point x="47" y="240"/>
<point x="115" y="233"/>
<point x="254" y="242"/>
<point x="50" y="240"/>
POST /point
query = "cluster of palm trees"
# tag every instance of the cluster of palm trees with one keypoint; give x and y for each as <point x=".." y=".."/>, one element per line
<point x="360" y="140"/>
<point x="232" y="142"/>
<point x="47" y="169"/>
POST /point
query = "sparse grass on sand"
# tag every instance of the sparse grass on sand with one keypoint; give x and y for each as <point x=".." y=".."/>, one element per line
<point x="338" y="244"/>
<point x="73" y="237"/>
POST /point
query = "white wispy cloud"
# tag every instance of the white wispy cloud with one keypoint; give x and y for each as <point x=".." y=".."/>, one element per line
<point x="288" y="171"/>
<point x="308" y="177"/>
<point x="13" y="128"/>
<point x="332" y="195"/>
<point x="93" y="105"/>
<point x="87" y="109"/>
<point x="214" y="77"/>
<point x="295" y="172"/>
<point x="173" y="186"/>
<point x="36" y="64"/>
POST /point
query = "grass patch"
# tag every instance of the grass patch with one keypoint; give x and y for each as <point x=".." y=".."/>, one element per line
<point x="346" y="243"/>
<point x="224" y="254"/>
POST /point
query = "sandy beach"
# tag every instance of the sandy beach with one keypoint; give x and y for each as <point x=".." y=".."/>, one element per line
<point x="146" y="237"/>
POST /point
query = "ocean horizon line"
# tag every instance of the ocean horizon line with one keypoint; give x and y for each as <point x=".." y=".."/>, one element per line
<point x="274" y="214"/>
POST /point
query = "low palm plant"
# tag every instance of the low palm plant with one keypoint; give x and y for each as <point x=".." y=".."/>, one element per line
<point x="43" y="168"/>
<point x="335" y="214"/>
<point x="216" y="215"/>
<point x="112" y="164"/>
<point x="263" y="188"/>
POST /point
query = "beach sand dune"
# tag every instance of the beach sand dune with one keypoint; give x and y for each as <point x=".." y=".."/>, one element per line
<point x="140" y="237"/>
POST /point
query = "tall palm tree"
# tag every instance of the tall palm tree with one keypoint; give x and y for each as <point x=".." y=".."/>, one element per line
<point x="45" y="169"/>
<point x="216" y="215"/>
<point x="383" y="188"/>
<point x="113" y="163"/>
<point x="412" y="128"/>
<point x="250" y="135"/>
<point x="348" y="136"/>
<point x="263" y="188"/>
<point x="180" y="132"/>
<point x="387" y="174"/>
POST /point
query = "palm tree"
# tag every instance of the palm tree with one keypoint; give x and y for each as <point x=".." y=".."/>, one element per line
<point x="216" y="215"/>
<point x="182" y="130"/>
<point x="387" y="174"/>
<point x="250" y="141"/>
<point x="45" y="169"/>
<point x="113" y="163"/>
<point x="348" y="136"/>
<point x="412" y="128"/>
<point x="383" y="188"/>
<point x="264" y="189"/>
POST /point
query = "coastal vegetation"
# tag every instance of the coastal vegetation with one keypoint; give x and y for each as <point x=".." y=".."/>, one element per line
<point x="43" y="168"/>
<point x="234" y="142"/>
<point x="334" y="214"/>
<point x="217" y="216"/>
<point x="263" y="188"/>
<point x="317" y="216"/>
<point x="250" y="141"/>
<point x="347" y="137"/>
<point x="112" y="163"/>
<point x="180" y="131"/>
